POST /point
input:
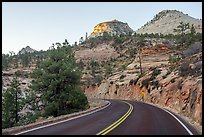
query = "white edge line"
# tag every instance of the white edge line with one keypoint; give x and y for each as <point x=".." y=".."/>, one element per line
<point x="174" y="117"/>
<point x="65" y="120"/>
<point x="179" y="122"/>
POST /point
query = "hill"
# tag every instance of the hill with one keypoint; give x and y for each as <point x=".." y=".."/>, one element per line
<point x="113" y="27"/>
<point x="27" y="49"/>
<point x="167" y="20"/>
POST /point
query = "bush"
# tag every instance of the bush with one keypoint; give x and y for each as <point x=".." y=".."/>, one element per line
<point x="155" y="83"/>
<point x="122" y="76"/>
<point x="111" y="82"/>
<point x="135" y="81"/>
<point x="131" y="82"/>
<point x="164" y="76"/>
<point x="145" y="82"/>
<point x="192" y="49"/>
<point x="184" y="69"/>
<point x="29" y="118"/>
<point x="156" y="72"/>
<point x="174" y="59"/>
<point x="98" y="78"/>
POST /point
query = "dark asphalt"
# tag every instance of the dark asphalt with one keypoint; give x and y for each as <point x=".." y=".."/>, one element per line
<point x="145" y="119"/>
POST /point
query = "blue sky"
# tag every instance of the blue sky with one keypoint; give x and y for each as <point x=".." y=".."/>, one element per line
<point x="39" y="24"/>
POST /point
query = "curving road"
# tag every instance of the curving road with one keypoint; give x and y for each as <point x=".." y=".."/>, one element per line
<point x="120" y="118"/>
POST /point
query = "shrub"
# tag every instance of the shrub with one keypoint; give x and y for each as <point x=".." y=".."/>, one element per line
<point x="122" y="76"/>
<point x="184" y="69"/>
<point x="156" y="72"/>
<point x="145" y="82"/>
<point x="192" y="49"/>
<point x="164" y="76"/>
<point x="131" y="82"/>
<point x="174" y="59"/>
<point x="111" y="82"/>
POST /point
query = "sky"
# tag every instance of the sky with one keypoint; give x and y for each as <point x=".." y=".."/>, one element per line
<point x="39" y="24"/>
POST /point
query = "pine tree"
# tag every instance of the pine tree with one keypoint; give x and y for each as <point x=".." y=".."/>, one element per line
<point x="25" y="59"/>
<point x="57" y="80"/>
<point x="5" y="61"/>
<point x="193" y="31"/>
<point x="181" y="29"/>
<point x="12" y="103"/>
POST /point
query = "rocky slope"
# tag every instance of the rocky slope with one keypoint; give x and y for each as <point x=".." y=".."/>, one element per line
<point x="167" y="20"/>
<point x="113" y="27"/>
<point x="102" y="52"/>
<point x="168" y="85"/>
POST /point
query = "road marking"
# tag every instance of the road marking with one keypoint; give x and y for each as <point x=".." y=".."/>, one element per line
<point x="118" y="122"/>
<point x="65" y="120"/>
<point x="179" y="122"/>
<point x="173" y="116"/>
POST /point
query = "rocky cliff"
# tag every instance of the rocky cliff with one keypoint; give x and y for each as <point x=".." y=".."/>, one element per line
<point x="113" y="27"/>
<point x="175" y="86"/>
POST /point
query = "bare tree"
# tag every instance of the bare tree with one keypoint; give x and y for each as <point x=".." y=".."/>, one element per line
<point x="141" y="72"/>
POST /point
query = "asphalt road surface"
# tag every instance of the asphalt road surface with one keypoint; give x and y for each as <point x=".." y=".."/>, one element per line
<point x="120" y="118"/>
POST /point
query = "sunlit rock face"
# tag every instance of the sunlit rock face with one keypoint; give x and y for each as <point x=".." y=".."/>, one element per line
<point x="113" y="27"/>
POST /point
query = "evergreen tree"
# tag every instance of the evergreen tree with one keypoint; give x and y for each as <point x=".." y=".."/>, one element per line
<point x="25" y="59"/>
<point x="5" y="61"/>
<point x="193" y="31"/>
<point x="57" y="80"/>
<point x="181" y="30"/>
<point x="12" y="103"/>
<point x="81" y="40"/>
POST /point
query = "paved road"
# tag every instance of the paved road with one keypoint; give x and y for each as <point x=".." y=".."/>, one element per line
<point x="121" y="118"/>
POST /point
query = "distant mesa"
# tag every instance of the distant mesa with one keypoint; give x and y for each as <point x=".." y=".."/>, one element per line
<point x="167" y="20"/>
<point x="27" y="49"/>
<point x="113" y="27"/>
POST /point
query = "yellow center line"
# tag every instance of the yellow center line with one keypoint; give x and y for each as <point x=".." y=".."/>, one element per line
<point x="118" y="122"/>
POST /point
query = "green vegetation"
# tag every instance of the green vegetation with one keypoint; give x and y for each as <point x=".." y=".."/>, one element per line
<point x="14" y="61"/>
<point x="156" y="72"/>
<point x="174" y="59"/>
<point x="25" y="59"/>
<point x="57" y="80"/>
<point x="123" y="67"/>
<point x="81" y="64"/>
<point x="181" y="29"/>
<point x="94" y="64"/>
<point x="187" y="38"/>
<point x="184" y="69"/>
<point x="98" y="79"/>
<point x="12" y="103"/>
<point x="55" y="89"/>
<point x="108" y="70"/>
<point x="5" y="61"/>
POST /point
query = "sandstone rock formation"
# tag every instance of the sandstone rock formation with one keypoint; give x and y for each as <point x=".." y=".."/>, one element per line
<point x="182" y="94"/>
<point x="113" y="27"/>
<point x="102" y="52"/>
<point x="167" y="20"/>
